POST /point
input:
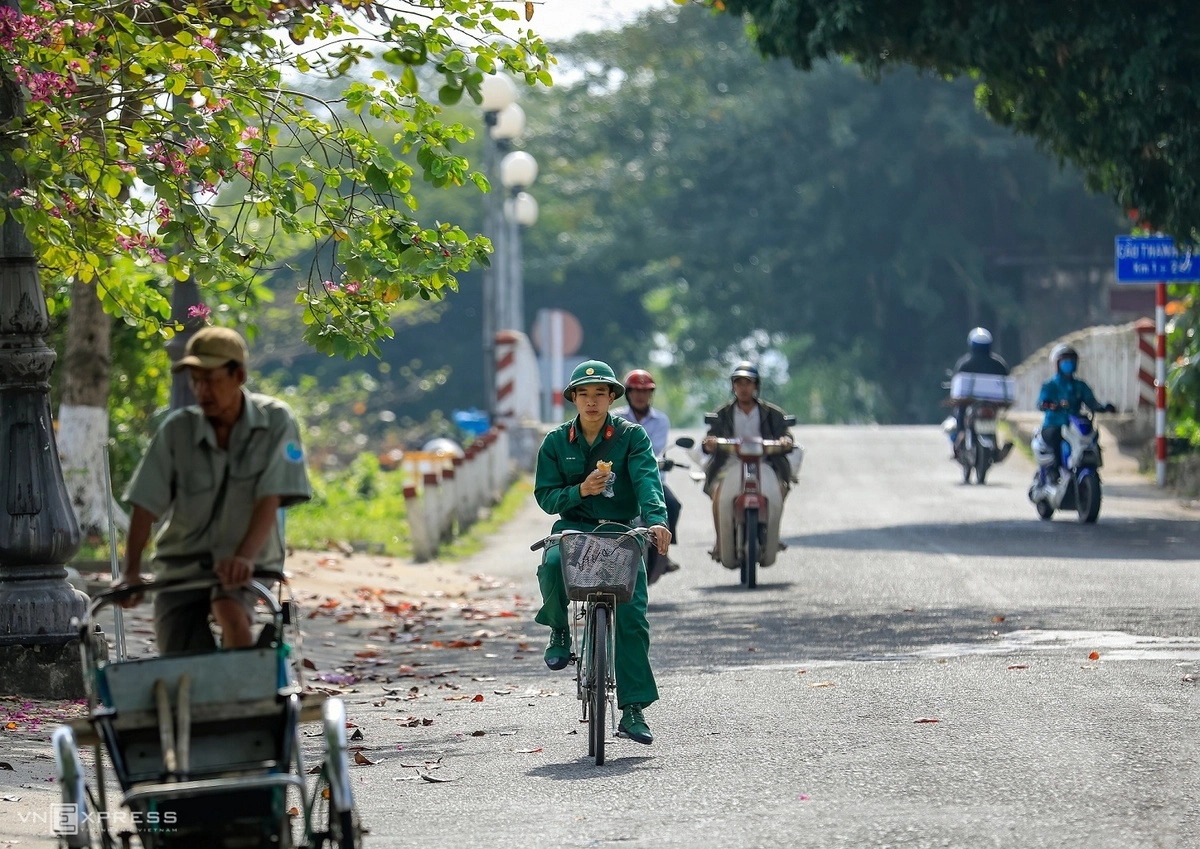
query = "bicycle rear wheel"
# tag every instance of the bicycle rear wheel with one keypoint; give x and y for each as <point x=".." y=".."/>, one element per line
<point x="598" y="681"/>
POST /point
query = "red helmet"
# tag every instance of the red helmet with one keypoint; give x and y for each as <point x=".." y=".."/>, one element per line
<point x="639" y="378"/>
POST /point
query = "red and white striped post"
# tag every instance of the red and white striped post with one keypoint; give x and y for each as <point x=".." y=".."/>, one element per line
<point x="1147" y="355"/>
<point x="506" y="375"/>
<point x="1160" y="383"/>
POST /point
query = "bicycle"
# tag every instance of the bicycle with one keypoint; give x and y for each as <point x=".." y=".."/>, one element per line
<point x="600" y="570"/>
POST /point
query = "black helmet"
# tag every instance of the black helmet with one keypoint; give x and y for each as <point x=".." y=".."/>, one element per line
<point x="745" y="369"/>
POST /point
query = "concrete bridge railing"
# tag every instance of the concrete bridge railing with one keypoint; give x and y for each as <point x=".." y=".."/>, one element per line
<point x="1117" y="361"/>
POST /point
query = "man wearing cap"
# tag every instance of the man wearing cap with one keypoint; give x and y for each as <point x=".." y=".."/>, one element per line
<point x="216" y="474"/>
<point x="568" y="483"/>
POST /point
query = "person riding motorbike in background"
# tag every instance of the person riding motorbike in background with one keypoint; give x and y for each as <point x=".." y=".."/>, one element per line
<point x="744" y="416"/>
<point x="639" y="393"/>
<point x="1061" y="397"/>
<point x="979" y="359"/>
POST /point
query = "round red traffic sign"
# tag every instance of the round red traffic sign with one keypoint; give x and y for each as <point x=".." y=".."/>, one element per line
<point x="572" y="331"/>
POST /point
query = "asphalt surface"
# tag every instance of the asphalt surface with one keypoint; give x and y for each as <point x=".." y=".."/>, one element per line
<point x="927" y="665"/>
<point x="1055" y="657"/>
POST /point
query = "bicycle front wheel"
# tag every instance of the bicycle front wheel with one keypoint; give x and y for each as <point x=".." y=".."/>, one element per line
<point x="598" y="680"/>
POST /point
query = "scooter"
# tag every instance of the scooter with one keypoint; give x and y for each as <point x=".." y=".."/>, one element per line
<point x="656" y="564"/>
<point x="1078" y="483"/>
<point x="751" y="504"/>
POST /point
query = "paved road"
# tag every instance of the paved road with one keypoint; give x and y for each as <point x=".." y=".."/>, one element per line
<point x="790" y="713"/>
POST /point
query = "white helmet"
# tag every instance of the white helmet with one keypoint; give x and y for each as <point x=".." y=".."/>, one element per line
<point x="979" y="336"/>
<point x="1062" y="349"/>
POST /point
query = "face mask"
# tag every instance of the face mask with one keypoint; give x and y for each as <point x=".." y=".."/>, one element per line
<point x="1067" y="366"/>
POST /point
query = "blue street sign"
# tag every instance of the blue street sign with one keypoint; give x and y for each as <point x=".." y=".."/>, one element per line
<point x="1154" y="259"/>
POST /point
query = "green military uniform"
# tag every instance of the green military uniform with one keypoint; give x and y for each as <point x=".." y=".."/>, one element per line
<point x="204" y="496"/>
<point x="564" y="460"/>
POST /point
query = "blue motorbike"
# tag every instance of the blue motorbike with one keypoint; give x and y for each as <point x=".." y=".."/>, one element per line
<point x="1071" y="480"/>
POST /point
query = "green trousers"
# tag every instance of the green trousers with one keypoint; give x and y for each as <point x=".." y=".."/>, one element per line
<point x="635" y="680"/>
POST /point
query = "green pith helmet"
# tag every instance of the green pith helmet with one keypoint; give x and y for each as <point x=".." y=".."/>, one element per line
<point x="592" y="371"/>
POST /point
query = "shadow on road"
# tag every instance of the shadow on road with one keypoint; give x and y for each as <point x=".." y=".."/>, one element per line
<point x="1062" y="537"/>
<point x="762" y="631"/>
<point x="733" y="587"/>
<point x="585" y="768"/>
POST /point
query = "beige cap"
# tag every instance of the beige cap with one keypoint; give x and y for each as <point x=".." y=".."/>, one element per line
<point x="213" y="347"/>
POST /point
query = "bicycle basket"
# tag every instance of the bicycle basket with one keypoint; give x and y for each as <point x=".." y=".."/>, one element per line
<point x="600" y="563"/>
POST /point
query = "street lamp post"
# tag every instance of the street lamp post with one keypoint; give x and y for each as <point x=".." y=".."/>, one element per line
<point x="518" y="170"/>
<point x="39" y="655"/>
<point x="510" y="123"/>
<point x="497" y="93"/>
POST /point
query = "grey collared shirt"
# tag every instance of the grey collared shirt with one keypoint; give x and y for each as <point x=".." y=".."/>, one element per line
<point x="204" y="496"/>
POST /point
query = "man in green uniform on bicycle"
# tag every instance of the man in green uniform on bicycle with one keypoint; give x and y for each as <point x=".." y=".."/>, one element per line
<point x="570" y="484"/>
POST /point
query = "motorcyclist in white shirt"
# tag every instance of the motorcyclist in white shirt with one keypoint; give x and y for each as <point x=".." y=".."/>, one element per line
<point x="746" y="415"/>
<point x="639" y="392"/>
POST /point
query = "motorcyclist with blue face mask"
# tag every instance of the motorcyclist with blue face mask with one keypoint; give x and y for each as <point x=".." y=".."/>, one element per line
<point x="1061" y="397"/>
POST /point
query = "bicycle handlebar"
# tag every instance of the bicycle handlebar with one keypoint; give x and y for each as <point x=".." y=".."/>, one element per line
<point x="554" y="538"/>
<point x="102" y="600"/>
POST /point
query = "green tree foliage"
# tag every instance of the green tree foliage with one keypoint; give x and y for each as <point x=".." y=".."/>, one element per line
<point x="1107" y="86"/>
<point x="699" y="205"/>
<point x="140" y="112"/>
<point x="697" y="200"/>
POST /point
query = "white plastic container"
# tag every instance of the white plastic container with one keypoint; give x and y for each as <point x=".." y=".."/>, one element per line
<point x="971" y="386"/>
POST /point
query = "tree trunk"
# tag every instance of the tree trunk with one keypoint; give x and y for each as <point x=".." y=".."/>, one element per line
<point x="83" y="415"/>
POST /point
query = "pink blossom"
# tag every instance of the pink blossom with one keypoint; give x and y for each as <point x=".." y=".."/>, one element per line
<point x="162" y="211"/>
<point x="45" y="86"/>
<point x="245" y="163"/>
<point x="137" y="240"/>
<point x="156" y="255"/>
<point x="199" y="311"/>
<point x="352" y="288"/>
<point x="330" y="286"/>
<point x="217" y="105"/>
<point x="192" y="145"/>
<point x="17" y="27"/>
<point x="251" y="133"/>
<point x="207" y="42"/>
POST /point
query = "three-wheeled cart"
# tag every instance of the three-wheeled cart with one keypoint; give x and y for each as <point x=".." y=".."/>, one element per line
<point x="206" y="747"/>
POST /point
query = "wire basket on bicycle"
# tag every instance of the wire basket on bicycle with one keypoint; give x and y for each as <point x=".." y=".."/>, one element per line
<point x="601" y="562"/>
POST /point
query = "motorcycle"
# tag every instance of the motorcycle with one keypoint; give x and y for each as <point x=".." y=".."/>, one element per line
<point x="657" y="564"/>
<point x="982" y="398"/>
<point x="1078" y="484"/>
<point x="751" y="504"/>
<point x="978" y="449"/>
